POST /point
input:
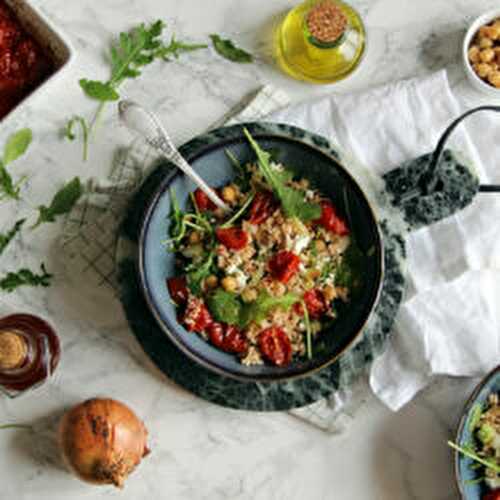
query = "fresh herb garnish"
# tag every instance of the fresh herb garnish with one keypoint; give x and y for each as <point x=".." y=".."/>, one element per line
<point x="292" y="200"/>
<point x="16" y="426"/>
<point x="240" y="212"/>
<point x="62" y="203"/>
<point x="476" y="413"/>
<point x="225" y="306"/>
<point x="469" y="451"/>
<point x="196" y="273"/>
<point x="7" y="237"/>
<point x="16" y="146"/>
<point x="134" y="50"/>
<point x="69" y="134"/>
<point x="258" y="310"/>
<point x="350" y="270"/>
<point x="25" y="277"/>
<point x="307" y="323"/>
<point x="227" y="49"/>
<point x="243" y="175"/>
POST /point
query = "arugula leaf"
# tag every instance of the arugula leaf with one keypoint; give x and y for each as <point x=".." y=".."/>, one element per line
<point x="225" y="306"/>
<point x="62" y="203"/>
<point x="6" y="238"/>
<point x="228" y="50"/>
<point x="197" y="273"/>
<point x="25" y="277"/>
<point x="175" y="48"/>
<point x="243" y="175"/>
<point x="99" y="90"/>
<point x="69" y="134"/>
<point x="350" y="271"/>
<point x="292" y="200"/>
<point x="258" y="310"/>
<point x="16" y="146"/>
<point x="128" y="55"/>
<point x="476" y="413"/>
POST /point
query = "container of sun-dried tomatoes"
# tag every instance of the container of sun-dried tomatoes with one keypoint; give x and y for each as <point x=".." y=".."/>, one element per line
<point x="32" y="54"/>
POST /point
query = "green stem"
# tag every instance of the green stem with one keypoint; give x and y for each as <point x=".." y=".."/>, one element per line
<point x="308" y="331"/>
<point x="475" y="457"/>
<point x="16" y="426"/>
<point x="239" y="213"/>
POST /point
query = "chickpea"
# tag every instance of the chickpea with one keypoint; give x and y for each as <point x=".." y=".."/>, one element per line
<point x="491" y="32"/>
<point x="249" y="295"/>
<point x="487" y="55"/>
<point x="229" y="284"/>
<point x="229" y="194"/>
<point x="211" y="281"/>
<point x="329" y="293"/>
<point x="485" y="42"/>
<point x="473" y="54"/>
<point x="494" y="79"/>
<point x="482" y="70"/>
<point x="194" y="237"/>
<point x="314" y="274"/>
<point x="320" y="245"/>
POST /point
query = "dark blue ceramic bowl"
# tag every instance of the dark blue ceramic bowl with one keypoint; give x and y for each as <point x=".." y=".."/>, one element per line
<point x="310" y="156"/>
<point x="463" y="471"/>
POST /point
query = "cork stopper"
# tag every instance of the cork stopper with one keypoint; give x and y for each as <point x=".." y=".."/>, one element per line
<point x="326" y="22"/>
<point x="13" y="350"/>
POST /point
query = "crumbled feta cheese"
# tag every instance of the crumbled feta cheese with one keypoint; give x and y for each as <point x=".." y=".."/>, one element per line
<point x="298" y="243"/>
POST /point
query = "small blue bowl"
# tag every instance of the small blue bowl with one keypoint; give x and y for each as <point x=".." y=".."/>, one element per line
<point x="463" y="472"/>
<point x="309" y="156"/>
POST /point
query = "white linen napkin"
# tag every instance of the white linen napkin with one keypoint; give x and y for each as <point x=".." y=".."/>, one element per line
<point x="449" y="321"/>
<point x="448" y="324"/>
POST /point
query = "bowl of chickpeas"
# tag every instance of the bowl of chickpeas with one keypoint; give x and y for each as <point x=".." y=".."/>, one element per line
<point x="481" y="52"/>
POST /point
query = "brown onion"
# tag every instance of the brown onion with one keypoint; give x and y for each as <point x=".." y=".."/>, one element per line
<point x="102" y="441"/>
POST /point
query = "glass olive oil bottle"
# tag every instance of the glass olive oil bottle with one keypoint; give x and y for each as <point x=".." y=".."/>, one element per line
<point x="320" y="41"/>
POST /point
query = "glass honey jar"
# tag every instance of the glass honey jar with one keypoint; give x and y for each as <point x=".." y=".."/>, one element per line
<point x="320" y="41"/>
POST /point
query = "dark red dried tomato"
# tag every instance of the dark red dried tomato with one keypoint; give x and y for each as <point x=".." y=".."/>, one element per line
<point x="215" y="333"/>
<point x="233" y="237"/>
<point x="203" y="202"/>
<point x="178" y="290"/>
<point x="196" y="317"/>
<point x="492" y="495"/>
<point x="227" y="337"/>
<point x="315" y="303"/>
<point x="284" y="265"/>
<point x="331" y="220"/>
<point x="235" y="341"/>
<point x="263" y="206"/>
<point x="275" y="346"/>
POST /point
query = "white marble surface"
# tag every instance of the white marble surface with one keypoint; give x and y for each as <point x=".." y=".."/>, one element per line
<point x="201" y="451"/>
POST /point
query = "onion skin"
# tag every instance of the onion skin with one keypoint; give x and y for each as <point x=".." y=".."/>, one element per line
<point x="102" y="441"/>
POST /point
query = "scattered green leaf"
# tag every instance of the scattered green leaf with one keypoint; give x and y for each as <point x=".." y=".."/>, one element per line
<point x="292" y="200"/>
<point x="16" y="146"/>
<point x="7" y="237"/>
<point x="243" y="175"/>
<point x="227" y="49"/>
<point x="240" y="212"/>
<point x="349" y="272"/>
<point x="99" y="91"/>
<point x="62" y="203"/>
<point x="225" y="306"/>
<point x="25" y="277"/>
<point x="475" y="417"/>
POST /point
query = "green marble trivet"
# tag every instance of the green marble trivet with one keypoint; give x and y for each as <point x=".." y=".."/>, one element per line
<point x="409" y="205"/>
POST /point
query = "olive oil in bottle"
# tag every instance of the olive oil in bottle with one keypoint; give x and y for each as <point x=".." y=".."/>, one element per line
<point x="320" y="41"/>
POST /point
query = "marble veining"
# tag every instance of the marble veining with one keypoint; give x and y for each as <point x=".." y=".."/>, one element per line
<point x="201" y="451"/>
